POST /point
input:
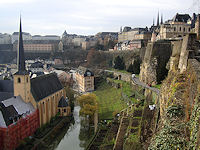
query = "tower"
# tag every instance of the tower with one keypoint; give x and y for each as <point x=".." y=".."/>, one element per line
<point x="197" y="26"/>
<point x="121" y="29"/>
<point x="158" y="20"/>
<point x="21" y="77"/>
<point x="153" y="22"/>
<point x="161" y="19"/>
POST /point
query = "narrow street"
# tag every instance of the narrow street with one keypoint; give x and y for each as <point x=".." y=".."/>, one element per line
<point x="138" y="82"/>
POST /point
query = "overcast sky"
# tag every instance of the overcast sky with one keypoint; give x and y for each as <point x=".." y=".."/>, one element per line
<point x="85" y="17"/>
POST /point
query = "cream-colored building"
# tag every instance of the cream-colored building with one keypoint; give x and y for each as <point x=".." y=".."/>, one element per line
<point x="85" y="79"/>
<point x="129" y="34"/>
<point x="40" y="46"/>
<point x="174" y="30"/>
<point x="86" y="45"/>
<point x="179" y="26"/>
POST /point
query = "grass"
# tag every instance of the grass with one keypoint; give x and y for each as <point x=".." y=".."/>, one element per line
<point x="122" y="71"/>
<point x="127" y="90"/>
<point x="109" y="100"/>
<point x="158" y="86"/>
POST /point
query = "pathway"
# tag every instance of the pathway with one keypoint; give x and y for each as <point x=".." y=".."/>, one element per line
<point x="138" y="82"/>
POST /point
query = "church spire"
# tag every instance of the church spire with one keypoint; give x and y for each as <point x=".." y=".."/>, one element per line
<point x="162" y="19"/>
<point x="20" y="52"/>
<point x="158" y="20"/>
<point x="153" y="22"/>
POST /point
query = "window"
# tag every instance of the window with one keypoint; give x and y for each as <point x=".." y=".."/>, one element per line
<point x="180" y="28"/>
<point x="59" y="110"/>
<point x="27" y="79"/>
<point x="189" y="30"/>
<point x="174" y="28"/>
<point x="184" y="29"/>
<point x="19" y="80"/>
<point x="64" y="110"/>
<point x="43" y="108"/>
<point x="88" y="73"/>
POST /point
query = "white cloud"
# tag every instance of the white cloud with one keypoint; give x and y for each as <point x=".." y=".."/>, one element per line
<point x="84" y="16"/>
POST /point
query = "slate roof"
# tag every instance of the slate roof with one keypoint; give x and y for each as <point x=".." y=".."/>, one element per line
<point x="126" y="29"/>
<point x="45" y="85"/>
<point x="8" y="113"/>
<point x="2" y="121"/>
<point x="24" y="33"/>
<point x="5" y="95"/>
<point x="83" y="71"/>
<point x="36" y="65"/>
<point x="20" y="106"/>
<point x="20" y="54"/>
<point x="12" y="108"/>
<point x="181" y="18"/>
<point x="6" y="86"/>
<point x="39" y="42"/>
<point x="63" y="102"/>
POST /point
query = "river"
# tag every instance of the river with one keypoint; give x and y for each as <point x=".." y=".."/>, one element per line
<point x="76" y="137"/>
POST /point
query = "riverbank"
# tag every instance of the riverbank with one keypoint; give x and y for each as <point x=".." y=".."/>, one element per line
<point x="45" y="135"/>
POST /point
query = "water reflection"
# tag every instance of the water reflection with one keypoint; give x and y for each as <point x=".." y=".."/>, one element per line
<point x="77" y="136"/>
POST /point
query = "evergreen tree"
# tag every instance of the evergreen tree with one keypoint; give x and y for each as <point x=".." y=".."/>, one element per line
<point x="119" y="63"/>
<point x="135" y="67"/>
<point x="130" y="68"/>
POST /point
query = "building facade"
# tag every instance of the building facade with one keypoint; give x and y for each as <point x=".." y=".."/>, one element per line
<point x="39" y="46"/>
<point x="179" y="26"/>
<point x="5" y="38"/>
<point x="27" y="104"/>
<point x="85" y="79"/>
<point x="46" y="37"/>
<point x="26" y="36"/>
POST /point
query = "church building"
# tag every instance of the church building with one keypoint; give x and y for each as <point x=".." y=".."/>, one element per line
<point x="27" y="104"/>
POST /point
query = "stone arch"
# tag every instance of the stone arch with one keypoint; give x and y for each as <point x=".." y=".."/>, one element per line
<point x="119" y="77"/>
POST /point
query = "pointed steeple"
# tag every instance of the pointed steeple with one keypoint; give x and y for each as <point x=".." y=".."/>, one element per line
<point x="20" y="53"/>
<point x="153" y="22"/>
<point x="161" y="19"/>
<point x="158" y="22"/>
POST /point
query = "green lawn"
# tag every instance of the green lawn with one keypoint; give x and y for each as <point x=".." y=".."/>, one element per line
<point x="122" y="71"/>
<point x="109" y="99"/>
<point x="158" y="86"/>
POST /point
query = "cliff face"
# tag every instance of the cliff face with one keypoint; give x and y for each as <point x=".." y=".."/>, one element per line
<point x="153" y="69"/>
<point x="178" y="127"/>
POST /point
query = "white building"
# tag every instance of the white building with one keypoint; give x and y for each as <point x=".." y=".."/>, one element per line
<point x="5" y="38"/>
<point x="78" y="41"/>
<point x="26" y="36"/>
<point x="46" y="37"/>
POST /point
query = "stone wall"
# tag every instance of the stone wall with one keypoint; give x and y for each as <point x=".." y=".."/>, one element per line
<point x="153" y="69"/>
<point x="122" y="76"/>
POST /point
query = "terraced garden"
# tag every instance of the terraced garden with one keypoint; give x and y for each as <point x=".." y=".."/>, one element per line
<point x="109" y="100"/>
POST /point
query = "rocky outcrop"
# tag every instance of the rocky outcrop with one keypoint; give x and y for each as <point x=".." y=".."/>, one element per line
<point x="153" y="69"/>
<point x="178" y="126"/>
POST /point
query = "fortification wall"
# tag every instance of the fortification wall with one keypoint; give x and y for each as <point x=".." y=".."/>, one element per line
<point x="153" y="69"/>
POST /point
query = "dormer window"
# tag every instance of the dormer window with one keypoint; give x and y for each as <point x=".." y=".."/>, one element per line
<point x="88" y="73"/>
<point x="19" y="80"/>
